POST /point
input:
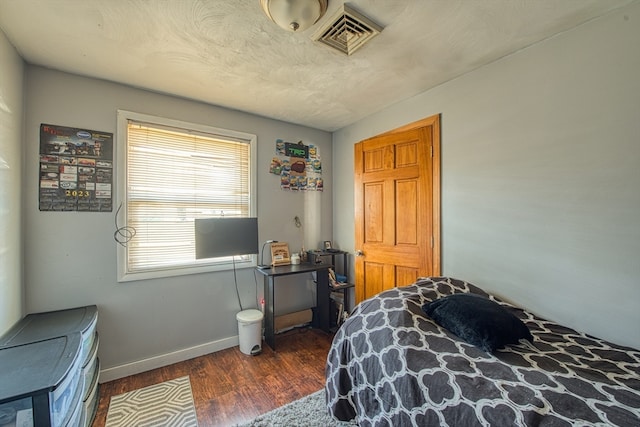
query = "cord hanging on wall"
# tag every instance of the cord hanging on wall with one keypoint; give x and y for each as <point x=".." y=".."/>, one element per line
<point x="298" y="223"/>
<point x="123" y="235"/>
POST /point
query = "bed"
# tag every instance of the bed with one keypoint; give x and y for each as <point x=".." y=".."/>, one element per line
<point x="390" y="364"/>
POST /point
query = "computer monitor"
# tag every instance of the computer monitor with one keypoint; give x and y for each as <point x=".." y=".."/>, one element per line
<point x="226" y="236"/>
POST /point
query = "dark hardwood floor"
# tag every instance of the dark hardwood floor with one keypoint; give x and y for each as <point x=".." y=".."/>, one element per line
<point x="230" y="387"/>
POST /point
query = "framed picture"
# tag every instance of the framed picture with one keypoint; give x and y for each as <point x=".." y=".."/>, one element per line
<point x="327" y="245"/>
<point x="280" y="254"/>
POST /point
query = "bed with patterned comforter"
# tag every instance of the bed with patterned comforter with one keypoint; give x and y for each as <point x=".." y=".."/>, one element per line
<point x="391" y="364"/>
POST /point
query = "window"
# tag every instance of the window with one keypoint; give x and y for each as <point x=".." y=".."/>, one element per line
<point x="170" y="173"/>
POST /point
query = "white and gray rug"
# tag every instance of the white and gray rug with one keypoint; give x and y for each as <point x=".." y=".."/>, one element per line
<point x="310" y="411"/>
<point x="168" y="404"/>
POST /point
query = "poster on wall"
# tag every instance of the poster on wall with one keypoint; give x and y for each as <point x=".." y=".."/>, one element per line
<point x="298" y="166"/>
<point x="76" y="169"/>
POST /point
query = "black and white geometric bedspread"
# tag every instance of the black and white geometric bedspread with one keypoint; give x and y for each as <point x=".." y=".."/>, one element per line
<point x="391" y="365"/>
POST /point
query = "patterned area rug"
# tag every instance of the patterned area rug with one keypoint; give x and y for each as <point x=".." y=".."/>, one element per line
<point x="310" y="411"/>
<point x="168" y="404"/>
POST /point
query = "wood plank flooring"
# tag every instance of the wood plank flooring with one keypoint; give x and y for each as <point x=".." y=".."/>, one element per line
<point x="230" y="387"/>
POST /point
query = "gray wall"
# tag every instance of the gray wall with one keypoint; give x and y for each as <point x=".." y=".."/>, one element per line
<point x="11" y="112"/>
<point x="540" y="175"/>
<point x="70" y="257"/>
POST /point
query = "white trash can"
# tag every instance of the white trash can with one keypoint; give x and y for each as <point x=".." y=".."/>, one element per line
<point x="250" y="331"/>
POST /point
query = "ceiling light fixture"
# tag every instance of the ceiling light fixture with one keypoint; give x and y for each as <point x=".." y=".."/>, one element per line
<point x="294" y="15"/>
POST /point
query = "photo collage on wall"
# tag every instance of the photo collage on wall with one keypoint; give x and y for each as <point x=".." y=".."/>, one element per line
<point x="298" y="165"/>
<point x="76" y="169"/>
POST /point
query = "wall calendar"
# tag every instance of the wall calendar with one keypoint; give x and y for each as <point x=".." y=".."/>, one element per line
<point x="76" y="169"/>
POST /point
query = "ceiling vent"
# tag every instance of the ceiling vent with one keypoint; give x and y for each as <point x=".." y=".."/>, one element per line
<point x="347" y="30"/>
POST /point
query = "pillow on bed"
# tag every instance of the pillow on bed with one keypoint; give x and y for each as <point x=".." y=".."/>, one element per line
<point x="477" y="320"/>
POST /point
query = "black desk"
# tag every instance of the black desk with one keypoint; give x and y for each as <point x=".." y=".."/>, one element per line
<point x="322" y="295"/>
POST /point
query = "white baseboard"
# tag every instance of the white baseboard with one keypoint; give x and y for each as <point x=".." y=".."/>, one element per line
<point x="110" y="374"/>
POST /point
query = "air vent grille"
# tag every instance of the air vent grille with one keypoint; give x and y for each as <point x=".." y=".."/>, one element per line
<point x="347" y="30"/>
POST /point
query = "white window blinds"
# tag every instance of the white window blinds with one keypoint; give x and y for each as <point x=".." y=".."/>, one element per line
<point x="174" y="175"/>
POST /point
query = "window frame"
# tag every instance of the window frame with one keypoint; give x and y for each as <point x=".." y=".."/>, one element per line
<point x="198" y="266"/>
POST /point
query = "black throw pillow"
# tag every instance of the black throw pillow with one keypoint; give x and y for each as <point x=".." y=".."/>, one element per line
<point x="477" y="320"/>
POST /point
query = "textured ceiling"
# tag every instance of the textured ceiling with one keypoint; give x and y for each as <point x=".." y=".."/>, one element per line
<point x="226" y="52"/>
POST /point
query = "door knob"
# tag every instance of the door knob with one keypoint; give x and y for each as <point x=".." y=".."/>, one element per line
<point x="359" y="253"/>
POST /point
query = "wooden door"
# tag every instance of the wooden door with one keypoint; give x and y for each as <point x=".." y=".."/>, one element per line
<point x="397" y="208"/>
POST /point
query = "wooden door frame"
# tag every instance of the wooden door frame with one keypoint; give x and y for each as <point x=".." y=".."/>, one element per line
<point x="434" y="122"/>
